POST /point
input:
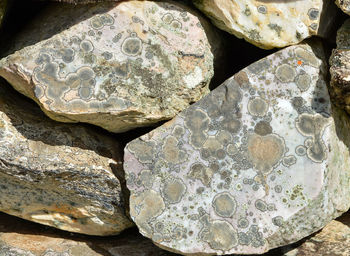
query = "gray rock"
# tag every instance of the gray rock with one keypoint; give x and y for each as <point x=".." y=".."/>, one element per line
<point x="261" y="162"/>
<point x="115" y="65"/>
<point x="340" y="68"/>
<point x="61" y="175"/>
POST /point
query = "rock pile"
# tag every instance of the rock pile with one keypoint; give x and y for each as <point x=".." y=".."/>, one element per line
<point x="253" y="165"/>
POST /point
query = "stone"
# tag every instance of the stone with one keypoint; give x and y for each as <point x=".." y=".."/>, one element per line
<point x="115" y="65"/>
<point x="261" y="162"/>
<point x="61" y="175"/>
<point x="340" y="68"/>
<point x="23" y="238"/>
<point x="344" y="5"/>
<point x="332" y="240"/>
<point x="269" y="24"/>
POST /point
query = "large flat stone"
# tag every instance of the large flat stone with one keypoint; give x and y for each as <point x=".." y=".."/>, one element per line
<point x="340" y="68"/>
<point x="115" y="65"/>
<point x="269" y="24"/>
<point x="61" y="175"/>
<point x="261" y="162"/>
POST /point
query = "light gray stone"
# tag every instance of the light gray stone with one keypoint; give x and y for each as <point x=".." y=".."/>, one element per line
<point x="261" y="162"/>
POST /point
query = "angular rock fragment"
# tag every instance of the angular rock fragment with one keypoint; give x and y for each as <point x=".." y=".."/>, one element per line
<point x="268" y="24"/>
<point x="344" y="5"/>
<point x="23" y="238"/>
<point x="115" y="65"/>
<point x="61" y="175"/>
<point x="260" y="162"/>
<point x="340" y="68"/>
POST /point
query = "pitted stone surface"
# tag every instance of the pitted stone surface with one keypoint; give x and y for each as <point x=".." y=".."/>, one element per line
<point x="340" y="68"/>
<point x="344" y="5"/>
<point x="120" y="66"/>
<point x="263" y="162"/>
<point x="267" y="24"/>
<point x="61" y="175"/>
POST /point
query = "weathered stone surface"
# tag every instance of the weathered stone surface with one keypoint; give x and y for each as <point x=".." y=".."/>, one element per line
<point x="116" y="65"/>
<point x="268" y="24"/>
<point x="344" y="5"/>
<point x="340" y="68"/>
<point x="61" y="175"/>
<point x="333" y="240"/>
<point x="260" y="162"/>
<point x="22" y="238"/>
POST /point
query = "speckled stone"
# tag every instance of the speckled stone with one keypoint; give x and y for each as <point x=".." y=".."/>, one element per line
<point x="258" y="163"/>
<point x="23" y="238"/>
<point x="61" y="175"/>
<point x="115" y="65"/>
<point x="344" y="5"/>
<point x="268" y="24"/>
<point x="340" y="68"/>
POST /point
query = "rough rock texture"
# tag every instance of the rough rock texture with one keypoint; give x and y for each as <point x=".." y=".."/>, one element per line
<point x="22" y="238"/>
<point x="344" y="5"/>
<point x="115" y="65"/>
<point x="61" y="175"/>
<point x="269" y="24"/>
<point x="333" y="240"/>
<point x="260" y="162"/>
<point x="340" y="68"/>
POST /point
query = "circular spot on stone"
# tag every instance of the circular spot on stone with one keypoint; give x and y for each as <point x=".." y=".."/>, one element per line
<point x="86" y="46"/>
<point x="263" y="128"/>
<point x="258" y="106"/>
<point x="232" y="149"/>
<point x="224" y="205"/>
<point x="278" y="188"/>
<point x="107" y="55"/>
<point x="38" y="91"/>
<point x="86" y="73"/>
<point x="243" y="223"/>
<point x="85" y="93"/>
<point x="303" y="82"/>
<point x="262" y="9"/>
<point x="176" y="24"/>
<point x="289" y="161"/>
<point x="261" y="205"/>
<point x="285" y="73"/>
<point x="96" y="22"/>
<point x="265" y="151"/>
<point x="132" y="46"/>
<point x="220" y="235"/>
<point x="173" y="190"/>
<point x="107" y="19"/>
<point x="167" y="18"/>
<point x="313" y="26"/>
<point x="277" y="221"/>
<point x="300" y="150"/>
<point x="313" y="13"/>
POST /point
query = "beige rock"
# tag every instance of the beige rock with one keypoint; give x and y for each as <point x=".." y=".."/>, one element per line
<point x="269" y="24"/>
<point x="23" y="238"/>
<point x="61" y="175"/>
<point x="115" y="65"/>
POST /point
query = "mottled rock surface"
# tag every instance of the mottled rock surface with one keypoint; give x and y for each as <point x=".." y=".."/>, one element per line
<point x="268" y="24"/>
<point x="61" y="175"/>
<point x="115" y="65"/>
<point x="260" y="162"/>
<point x="22" y="238"/>
<point x="340" y="68"/>
<point x="344" y="5"/>
<point x="333" y="240"/>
